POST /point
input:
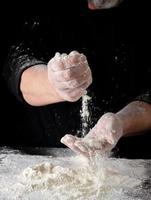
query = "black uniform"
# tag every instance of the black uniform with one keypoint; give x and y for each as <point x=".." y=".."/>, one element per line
<point x="115" y="46"/>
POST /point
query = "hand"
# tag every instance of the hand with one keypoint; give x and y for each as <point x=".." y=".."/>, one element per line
<point x="70" y="75"/>
<point x="101" y="138"/>
<point x="103" y="4"/>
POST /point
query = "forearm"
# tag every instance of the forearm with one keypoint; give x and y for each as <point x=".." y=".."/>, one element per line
<point x="36" y="88"/>
<point x="135" y="117"/>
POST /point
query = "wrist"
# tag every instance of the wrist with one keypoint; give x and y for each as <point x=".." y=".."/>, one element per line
<point x="120" y="124"/>
<point x="52" y="90"/>
<point x="126" y="122"/>
<point x="116" y="123"/>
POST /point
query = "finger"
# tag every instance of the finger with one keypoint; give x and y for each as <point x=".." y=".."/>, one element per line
<point x="83" y="58"/>
<point x="72" y="73"/>
<point x="74" y="85"/>
<point x="109" y="136"/>
<point x="72" y="96"/>
<point x="56" y="64"/>
<point x="81" y="82"/>
<point x="75" y="62"/>
<point x="75" y="59"/>
<point x="68" y="85"/>
<point x="64" y="55"/>
<point x="86" y="84"/>
<point x="69" y="141"/>
<point x="111" y="140"/>
<point x="76" y="71"/>
<point x="57" y="55"/>
<point x="72" y="53"/>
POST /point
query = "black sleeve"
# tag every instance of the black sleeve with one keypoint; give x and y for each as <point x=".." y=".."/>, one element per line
<point x="146" y="97"/>
<point x="26" y="48"/>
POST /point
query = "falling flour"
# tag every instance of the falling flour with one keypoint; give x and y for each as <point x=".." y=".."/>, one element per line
<point x="85" y="114"/>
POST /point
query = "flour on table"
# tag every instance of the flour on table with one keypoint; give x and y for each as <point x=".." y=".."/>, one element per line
<point x="87" y="181"/>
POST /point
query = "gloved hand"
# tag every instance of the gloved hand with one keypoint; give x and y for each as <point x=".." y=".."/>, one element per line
<point x="101" y="138"/>
<point x="70" y="75"/>
<point x="103" y="4"/>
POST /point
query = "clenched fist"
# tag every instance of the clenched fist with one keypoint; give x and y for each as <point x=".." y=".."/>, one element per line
<point x="70" y="75"/>
<point x="103" y="4"/>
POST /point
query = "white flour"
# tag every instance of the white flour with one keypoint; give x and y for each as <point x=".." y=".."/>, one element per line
<point x="63" y="176"/>
<point x="85" y="114"/>
<point x="84" y="182"/>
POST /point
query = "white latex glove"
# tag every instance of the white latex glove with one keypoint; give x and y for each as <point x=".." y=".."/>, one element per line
<point x="70" y="75"/>
<point x="101" y="138"/>
<point x="103" y="4"/>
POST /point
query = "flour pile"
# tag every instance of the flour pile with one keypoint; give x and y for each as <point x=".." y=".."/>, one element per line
<point x="58" y="175"/>
<point x="83" y="181"/>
